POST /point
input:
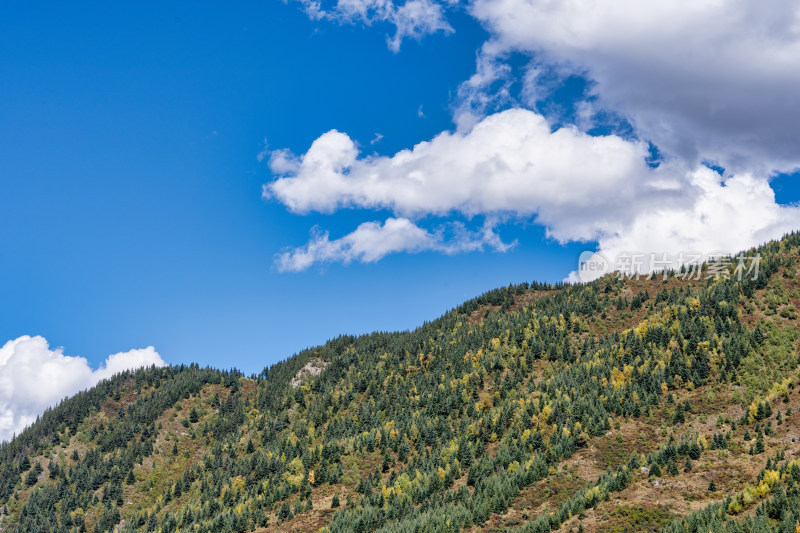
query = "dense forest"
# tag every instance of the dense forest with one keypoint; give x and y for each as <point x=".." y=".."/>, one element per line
<point x="665" y="404"/>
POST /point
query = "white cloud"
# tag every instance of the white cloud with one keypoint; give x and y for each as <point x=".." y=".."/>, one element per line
<point x="414" y="19"/>
<point x="33" y="377"/>
<point x="714" y="79"/>
<point x="372" y="241"/>
<point x="721" y="217"/>
<point x="264" y="151"/>
<point x="708" y="80"/>
<point x="510" y="165"/>
<point x="731" y="215"/>
<point x="488" y="88"/>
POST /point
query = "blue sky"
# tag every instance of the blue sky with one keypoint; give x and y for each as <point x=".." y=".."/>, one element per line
<point x="132" y="192"/>
<point x="132" y="187"/>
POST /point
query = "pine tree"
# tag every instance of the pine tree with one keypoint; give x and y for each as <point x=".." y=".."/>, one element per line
<point x="284" y="513"/>
<point x="32" y="477"/>
<point x="672" y="468"/>
<point x="758" y="335"/>
<point x="386" y="463"/>
<point x="403" y="451"/>
<point x="761" y="412"/>
<point x="759" y="444"/>
<point x="679" y="417"/>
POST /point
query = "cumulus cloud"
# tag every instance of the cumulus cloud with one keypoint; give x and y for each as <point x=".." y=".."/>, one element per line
<point x="372" y="241"/>
<point x="729" y="215"/>
<point x="34" y="377"/>
<point x="508" y="163"/>
<point x="701" y="81"/>
<point x="414" y="19"/>
<point x="721" y="217"/>
<point x="711" y="79"/>
<point x="511" y="165"/>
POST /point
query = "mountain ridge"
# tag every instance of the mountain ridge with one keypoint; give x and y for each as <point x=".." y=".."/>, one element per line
<point x="637" y="404"/>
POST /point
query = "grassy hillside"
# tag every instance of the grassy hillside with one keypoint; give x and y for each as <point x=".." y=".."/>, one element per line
<point x="614" y="406"/>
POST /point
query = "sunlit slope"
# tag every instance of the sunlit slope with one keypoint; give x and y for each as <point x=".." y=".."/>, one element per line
<point x="620" y="404"/>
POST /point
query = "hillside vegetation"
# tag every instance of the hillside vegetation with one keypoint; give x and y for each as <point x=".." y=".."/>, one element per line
<point x="620" y="405"/>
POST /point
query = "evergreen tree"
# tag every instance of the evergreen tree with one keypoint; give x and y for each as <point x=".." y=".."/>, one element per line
<point x="759" y="444"/>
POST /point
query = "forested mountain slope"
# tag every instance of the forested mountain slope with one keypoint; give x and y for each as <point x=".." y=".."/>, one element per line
<point x="618" y="405"/>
